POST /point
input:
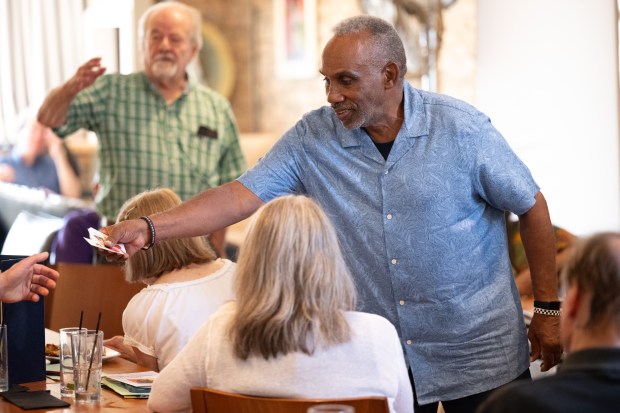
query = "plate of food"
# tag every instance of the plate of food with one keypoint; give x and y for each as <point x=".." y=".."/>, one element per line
<point x="52" y="347"/>
<point x="52" y="351"/>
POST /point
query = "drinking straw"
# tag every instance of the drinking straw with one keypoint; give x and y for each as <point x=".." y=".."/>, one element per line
<point x="79" y="331"/>
<point x="1" y="325"/>
<point x="92" y="354"/>
<point x="3" y="310"/>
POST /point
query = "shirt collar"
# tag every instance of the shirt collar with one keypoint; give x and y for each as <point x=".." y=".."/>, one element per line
<point x="415" y="124"/>
<point x="595" y="358"/>
<point x="188" y="85"/>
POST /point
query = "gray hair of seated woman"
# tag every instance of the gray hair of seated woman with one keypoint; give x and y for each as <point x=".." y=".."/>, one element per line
<point x="292" y="284"/>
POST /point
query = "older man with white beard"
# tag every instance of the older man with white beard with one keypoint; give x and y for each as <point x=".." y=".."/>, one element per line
<point x="156" y="128"/>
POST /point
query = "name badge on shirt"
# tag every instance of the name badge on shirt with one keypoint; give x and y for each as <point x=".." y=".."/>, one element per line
<point x="205" y="132"/>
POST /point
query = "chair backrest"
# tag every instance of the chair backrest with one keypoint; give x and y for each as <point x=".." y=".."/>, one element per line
<point x="206" y="400"/>
<point x="93" y="289"/>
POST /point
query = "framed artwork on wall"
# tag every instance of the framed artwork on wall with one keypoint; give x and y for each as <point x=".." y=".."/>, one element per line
<point x="295" y="38"/>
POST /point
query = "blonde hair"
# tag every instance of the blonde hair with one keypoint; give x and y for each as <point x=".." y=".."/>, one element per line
<point x="164" y="256"/>
<point x="594" y="266"/>
<point x="292" y="284"/>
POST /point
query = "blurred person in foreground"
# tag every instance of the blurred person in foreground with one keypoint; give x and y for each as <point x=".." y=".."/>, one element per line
<point x="588" y="380"/>
<point x="40" y="159"/>
<point x="292" y="331"/>
<point x="186" y="283"/>
<point x="417" y="184"/>
<point x="157" y="128"/>
<point x="27" y="280"/>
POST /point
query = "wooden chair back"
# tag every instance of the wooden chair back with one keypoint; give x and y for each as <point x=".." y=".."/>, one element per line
<point x="92" y="289"/>
<point x="206" y="400"/>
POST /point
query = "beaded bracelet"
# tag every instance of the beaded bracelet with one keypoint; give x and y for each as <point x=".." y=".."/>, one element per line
<point x="152" y="229"/>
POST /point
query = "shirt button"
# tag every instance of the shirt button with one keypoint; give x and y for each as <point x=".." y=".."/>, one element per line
<point x="394" y="261"/>
<point x="402" y="302"/>
<point x="385" y="173"/>
<point x="408" y="342"/>
<point x="389" y="216"/>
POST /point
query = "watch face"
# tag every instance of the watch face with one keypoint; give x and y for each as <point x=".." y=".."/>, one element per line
<point x="548" y="305"/>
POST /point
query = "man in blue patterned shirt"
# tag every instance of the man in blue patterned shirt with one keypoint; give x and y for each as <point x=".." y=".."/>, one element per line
<point x="156" y="128"/>
<point x="417" y="184"/>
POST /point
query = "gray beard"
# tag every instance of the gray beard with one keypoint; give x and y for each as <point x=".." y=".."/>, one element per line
<point x="164" y="70"/>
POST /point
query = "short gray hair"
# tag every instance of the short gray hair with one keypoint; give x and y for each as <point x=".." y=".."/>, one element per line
<point x="194" y="14"/>
<point x="385" y="38"/>
<point x="594" y="266"/>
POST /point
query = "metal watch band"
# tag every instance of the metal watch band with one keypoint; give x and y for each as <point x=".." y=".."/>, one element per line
<point x="543" y="311"/>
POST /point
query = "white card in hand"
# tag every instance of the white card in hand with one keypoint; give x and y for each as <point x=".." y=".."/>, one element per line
<point x="97" y="239"/>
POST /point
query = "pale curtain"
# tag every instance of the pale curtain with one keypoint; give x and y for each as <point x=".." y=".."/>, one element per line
<point x="41" y="46"/>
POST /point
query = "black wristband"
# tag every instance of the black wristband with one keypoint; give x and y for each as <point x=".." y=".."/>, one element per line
<point x="548" y="305"/>
<point x="152" y="229"/>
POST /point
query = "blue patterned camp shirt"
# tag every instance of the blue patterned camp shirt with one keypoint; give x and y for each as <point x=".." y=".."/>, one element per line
<point x="423" y="232"/>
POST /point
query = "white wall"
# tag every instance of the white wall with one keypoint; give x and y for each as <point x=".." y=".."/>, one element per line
<point x="111" y="33"/>
<point x="548" y="78"/>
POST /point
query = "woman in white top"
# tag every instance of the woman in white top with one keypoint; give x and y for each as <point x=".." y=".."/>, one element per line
<point x="186" y="284"/>
<point x="291" y="331"/>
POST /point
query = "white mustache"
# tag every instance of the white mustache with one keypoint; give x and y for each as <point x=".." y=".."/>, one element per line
<point x="161" y="57"/>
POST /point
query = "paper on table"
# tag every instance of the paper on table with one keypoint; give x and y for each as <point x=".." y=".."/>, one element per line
<point x="143" y="379"/>
<point x="130" y="385"/>
<point x="97" y="239"/>
<point x="125" y="390"/>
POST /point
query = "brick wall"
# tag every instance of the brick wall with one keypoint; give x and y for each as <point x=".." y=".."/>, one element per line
<point x="264" y="103"/>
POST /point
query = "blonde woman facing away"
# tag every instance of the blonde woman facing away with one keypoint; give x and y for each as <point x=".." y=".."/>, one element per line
<point x="186" y="284"/>
<point x="291" y="331"/>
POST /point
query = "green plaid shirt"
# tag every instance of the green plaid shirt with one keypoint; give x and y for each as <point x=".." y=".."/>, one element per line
<point x="188" y="146"/>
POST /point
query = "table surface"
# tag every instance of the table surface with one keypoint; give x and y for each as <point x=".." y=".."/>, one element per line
<point x="110" y="401"/>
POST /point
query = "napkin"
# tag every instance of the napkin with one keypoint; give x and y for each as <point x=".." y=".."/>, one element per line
<point x="29" y="400"/>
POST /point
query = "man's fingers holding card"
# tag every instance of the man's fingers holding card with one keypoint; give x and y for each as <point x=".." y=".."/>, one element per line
<point x="97" y="239"/>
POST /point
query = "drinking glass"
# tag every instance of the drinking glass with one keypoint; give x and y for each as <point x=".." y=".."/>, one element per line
<point x="87" y="349"/>
<point x="4" y="360"/>
<point x="66" y="361"/>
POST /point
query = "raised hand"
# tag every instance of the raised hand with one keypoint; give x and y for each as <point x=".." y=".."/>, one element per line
<point x="86" y="75"/>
